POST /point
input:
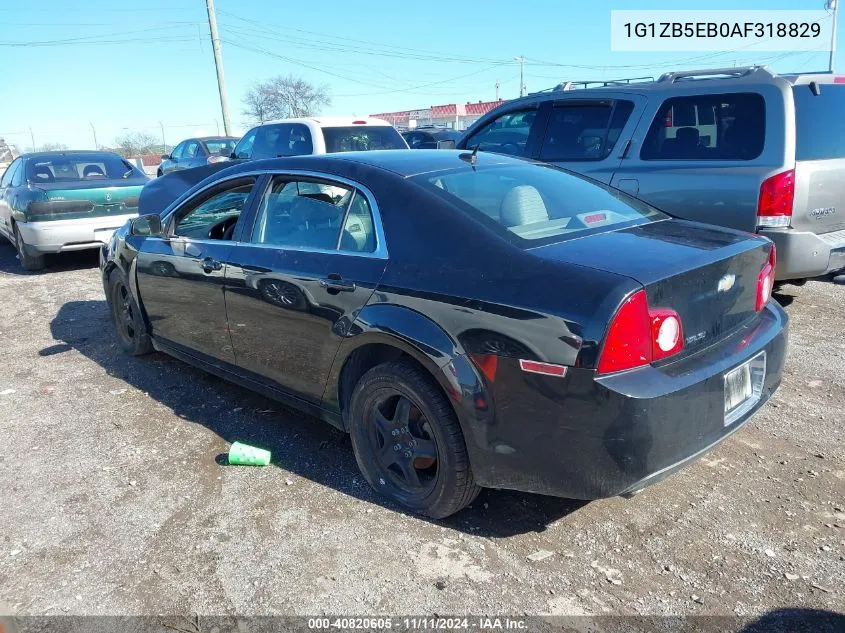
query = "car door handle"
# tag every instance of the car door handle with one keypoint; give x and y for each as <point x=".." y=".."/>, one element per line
<point x="210" y="265"/>
<point x="337" y="285"/>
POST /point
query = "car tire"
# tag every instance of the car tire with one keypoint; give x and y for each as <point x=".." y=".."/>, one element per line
<point x="29" y="262"/>
<point x="131" y="330"/>
<point x="408" y="442"/>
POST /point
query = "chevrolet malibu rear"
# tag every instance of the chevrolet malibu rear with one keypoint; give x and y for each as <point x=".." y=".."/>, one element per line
<point x="647" y="342"/>
<point x="67" y="201"/>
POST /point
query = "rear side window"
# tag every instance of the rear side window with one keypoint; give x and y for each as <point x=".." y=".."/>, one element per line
<point x="533" y="204"/>
<point x="708" y="127"/>
<point x="361" y="138"/>
<point x="506" y="134"/>
<point x="6" y="180"/>
<point x="819" y="122"/>
<point x="584" y="131"/>
<point x="275" y="140"/>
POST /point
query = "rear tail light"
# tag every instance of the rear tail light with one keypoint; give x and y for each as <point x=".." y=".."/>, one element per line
<point x="766" y="281"/>
<point x="638" y="335"/>
<point x="777" y="193"/>
<point x="668" y="122"/>
<point x="359" y="123"/>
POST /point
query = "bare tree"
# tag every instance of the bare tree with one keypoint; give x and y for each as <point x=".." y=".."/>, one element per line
<point x="136" y="143"/>
<point x="52" y="147"/>
<point x="284" y="98"/>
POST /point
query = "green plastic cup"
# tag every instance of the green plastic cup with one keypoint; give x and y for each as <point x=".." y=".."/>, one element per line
<point x="246" y="455"/>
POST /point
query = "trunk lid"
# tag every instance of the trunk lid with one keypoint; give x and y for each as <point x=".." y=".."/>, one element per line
<point x="707" y="274"/>
<point x="819" y="204"/>
<point x="69" y="201"/>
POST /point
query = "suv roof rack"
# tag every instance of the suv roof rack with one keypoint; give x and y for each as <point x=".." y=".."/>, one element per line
<point x="714" y="73"/>
<point x="572" y="85"/>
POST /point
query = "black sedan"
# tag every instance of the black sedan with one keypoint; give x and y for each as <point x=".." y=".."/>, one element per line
<point x="196" y="152"/>
<point x="469" y="320"/>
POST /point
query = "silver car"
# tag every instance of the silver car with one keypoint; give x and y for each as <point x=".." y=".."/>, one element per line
<point x="738" y="147"/>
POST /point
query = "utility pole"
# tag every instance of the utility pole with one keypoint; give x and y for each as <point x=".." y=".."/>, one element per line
<point x="32" y="138"/>
<point x="521" y="60"/>
<point x="163" y="141"/>
<point x="832" y="5"/>
<point x="218" y="64"/>
<point x="95" y="135"/>
<point x="497" y="90"/>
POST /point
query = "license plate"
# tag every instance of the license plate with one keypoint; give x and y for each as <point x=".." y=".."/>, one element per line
<point x="743" y="387"/>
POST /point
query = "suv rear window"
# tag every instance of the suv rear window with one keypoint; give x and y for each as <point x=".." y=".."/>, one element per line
<point x="534" y="204"/>
<point x="708" y="127"/>
<point x="584" y="131"/>
<point x="359" y="138"/>
<point x="819" y="122"/>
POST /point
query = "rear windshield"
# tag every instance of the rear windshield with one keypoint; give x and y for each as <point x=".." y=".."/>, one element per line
<point x="361" y="138"/>
<point x="76" y="167"/>
<point x="533" y="204"/>
<point x="819" y="122"/>
<point x="220" y="146"/>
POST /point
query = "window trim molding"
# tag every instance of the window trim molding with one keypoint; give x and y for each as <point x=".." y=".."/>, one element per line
<point x="380" y="252"/>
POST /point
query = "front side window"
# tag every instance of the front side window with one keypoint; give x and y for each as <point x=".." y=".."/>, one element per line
<point x="506" y="134"/>
<point x="533" y="204"/>
<point x="362" y="138"/>
<point x="192" y="149"/>
<point x="708" y="127"/>
<point x="177" y="153"/>
<point x="296" y="213"/>
<point x="583" y="132"/>
<point x="244" y="147"/>
<point x="215" y="214"/>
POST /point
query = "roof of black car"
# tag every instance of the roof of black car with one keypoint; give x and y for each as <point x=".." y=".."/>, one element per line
<point x="69" y="152"/>
<point x="420" y="161"/>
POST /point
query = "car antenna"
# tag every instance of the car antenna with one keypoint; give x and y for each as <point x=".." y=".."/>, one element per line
<point x="473" y="157"/>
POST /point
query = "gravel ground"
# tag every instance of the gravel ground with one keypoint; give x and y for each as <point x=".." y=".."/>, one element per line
<point x="114" y="500"/>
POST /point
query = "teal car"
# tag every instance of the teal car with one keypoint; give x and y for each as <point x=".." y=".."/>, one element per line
<point x="54" y="202"/>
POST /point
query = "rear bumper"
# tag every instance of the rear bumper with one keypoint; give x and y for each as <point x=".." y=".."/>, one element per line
<point x="803" y="254"/>
<point x="585" y="437"/>
<point x="57" y="236"/>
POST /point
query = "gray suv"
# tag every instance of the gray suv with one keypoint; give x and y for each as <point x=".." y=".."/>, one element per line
<point x="739" y="147"/>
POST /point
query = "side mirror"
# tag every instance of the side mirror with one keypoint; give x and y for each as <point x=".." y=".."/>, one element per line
<point x="146" y="225"/>
<point x="165" y="157"/>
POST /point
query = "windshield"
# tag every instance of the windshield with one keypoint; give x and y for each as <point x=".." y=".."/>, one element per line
<point x="533" y="204"/>
<point x="220" y="146"/>
<point x="360" y="138"/>
<point x="819" y="122"/>
<point x="77" y="167"/>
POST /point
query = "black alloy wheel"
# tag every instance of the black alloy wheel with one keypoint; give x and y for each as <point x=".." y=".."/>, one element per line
<point x="408" y="442"/>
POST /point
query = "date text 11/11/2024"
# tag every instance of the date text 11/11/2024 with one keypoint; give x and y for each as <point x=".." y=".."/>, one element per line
<point x="480" y="623"/>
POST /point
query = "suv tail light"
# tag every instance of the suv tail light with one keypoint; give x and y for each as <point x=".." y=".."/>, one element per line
<point x="638" y="335"/>
<point x="766" y="281"/>
<point x="774" y="208"/>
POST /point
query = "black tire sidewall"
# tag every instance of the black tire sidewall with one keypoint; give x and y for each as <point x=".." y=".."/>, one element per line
<point x="140" y="343"/>
<point x="418" y="388"/>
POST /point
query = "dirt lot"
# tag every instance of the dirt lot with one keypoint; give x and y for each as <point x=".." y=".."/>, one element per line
<point x="113" y="501"/>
